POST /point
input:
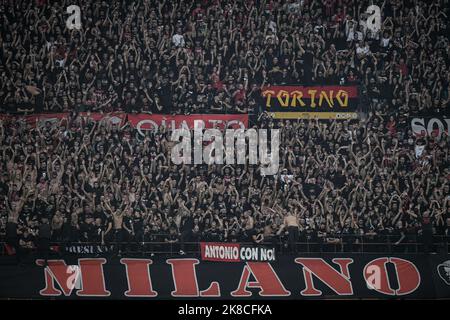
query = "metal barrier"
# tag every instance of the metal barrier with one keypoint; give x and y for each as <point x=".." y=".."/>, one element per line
<point x="349" y="244"/>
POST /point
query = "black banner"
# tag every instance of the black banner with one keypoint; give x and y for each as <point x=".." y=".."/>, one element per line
<point x="326" y="276"/>
<point x="322" y="102"/>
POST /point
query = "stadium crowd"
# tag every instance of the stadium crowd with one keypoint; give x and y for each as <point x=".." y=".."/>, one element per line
<point x="95" y="181"/>
<point x="213" y="56"/>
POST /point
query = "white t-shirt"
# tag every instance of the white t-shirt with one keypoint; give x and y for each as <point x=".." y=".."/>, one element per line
<point x="273" y="26"/>
<point x="419" y="150"/>
<point x="351" y="34"/>
<point x="362" y="50"/>
<point x="385" y="42"/>
<point x="178" y="40"/>
<point x="61" y="62"/>
<point x="359" y="35"/>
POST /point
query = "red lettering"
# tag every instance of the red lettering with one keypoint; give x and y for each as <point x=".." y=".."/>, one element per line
<point x="138" y="278"/>
<point x="339" y="282"/>
<point x="56" y="271"/>
<point x="408" y="276"/>
<point x="92" y="278"/>
<point x="185" y="280"/>
<point x="266" y="279"/>
<point x="379" y="276"/>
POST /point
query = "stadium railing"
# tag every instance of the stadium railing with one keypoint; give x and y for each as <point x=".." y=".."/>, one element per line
<point x="348" y="244"/>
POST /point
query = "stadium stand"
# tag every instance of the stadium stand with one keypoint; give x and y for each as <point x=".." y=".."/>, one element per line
<point x="347" y="182"/>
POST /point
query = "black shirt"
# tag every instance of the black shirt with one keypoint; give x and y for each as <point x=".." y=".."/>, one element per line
<point x="187" y="223"/>
<point x="171" y="237"/>
<point x="11" y="230"/>
<point x="28" y="238"/>
<point x="213" y="235"/>
<point x="45" y="231"/>
<point x="96" y="233"/>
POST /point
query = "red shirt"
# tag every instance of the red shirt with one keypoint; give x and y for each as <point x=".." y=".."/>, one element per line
<point x="403" y="69"/>
<point x="240" y="95"/>
<point x="391" y="127"/>
<point x="197" y="11"/>
<point x="217" y="84"/>
<point x="351" y="78"/>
